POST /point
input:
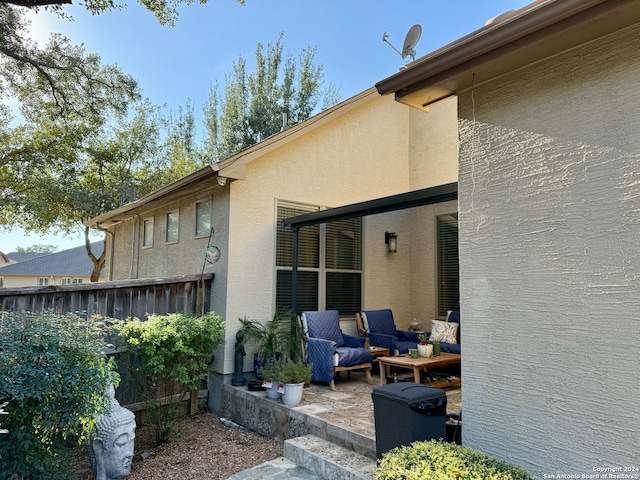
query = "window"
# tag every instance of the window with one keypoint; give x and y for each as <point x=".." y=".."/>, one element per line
<point x="70" y="281"/>
<point x="447" y="263"/>
<point x="147" y="232"/>
<point x="203" y="218"/>
<point x="173" y="225"/>
<point x="1" y="282"/>
<point x="42" y="281"/>
<point x="329" y="263"/>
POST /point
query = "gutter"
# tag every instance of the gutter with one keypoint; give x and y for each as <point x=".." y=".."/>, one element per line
<point x="529" y="20"/>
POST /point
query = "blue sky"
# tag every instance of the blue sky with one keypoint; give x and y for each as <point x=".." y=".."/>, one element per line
<point x="177" y="64"/>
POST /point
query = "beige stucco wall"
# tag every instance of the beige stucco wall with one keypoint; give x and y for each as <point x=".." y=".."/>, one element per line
<point x="365" y="153"/>
<point x="359" y="156"/>
<point x="549" y="258"/>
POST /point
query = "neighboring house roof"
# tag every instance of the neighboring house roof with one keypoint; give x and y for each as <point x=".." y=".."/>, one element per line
<point x="22" y="256"/>
<point x="232" y="168"/>
<point x="539" y="30"/>
<point x="73" y="261"/>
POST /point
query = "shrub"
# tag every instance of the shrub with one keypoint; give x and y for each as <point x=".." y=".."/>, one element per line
<point x="178" y="347"/>
<point x="437" y="460"/>
<point x="294" y="372"/>
<point x="279" y="337"/>
<point x="53" y="375"/>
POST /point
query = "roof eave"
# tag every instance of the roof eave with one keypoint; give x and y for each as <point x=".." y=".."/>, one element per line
<point x="537" y="31"/>
<point x="192" y="182"/>
<point x="233" y="168"/>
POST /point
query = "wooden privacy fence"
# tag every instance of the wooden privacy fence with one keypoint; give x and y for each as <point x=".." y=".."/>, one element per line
<point x="121" y="300"/>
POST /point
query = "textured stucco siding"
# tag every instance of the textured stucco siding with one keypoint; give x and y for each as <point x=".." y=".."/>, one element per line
<point x="549" y="261"/>
<point x="184" y="257"/>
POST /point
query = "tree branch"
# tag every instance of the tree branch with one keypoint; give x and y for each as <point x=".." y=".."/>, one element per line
<point x="36" y="3"/>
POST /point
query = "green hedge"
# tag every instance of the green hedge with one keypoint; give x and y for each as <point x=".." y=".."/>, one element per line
<point x="53" y="375"/>
<point x="437" y="460"/>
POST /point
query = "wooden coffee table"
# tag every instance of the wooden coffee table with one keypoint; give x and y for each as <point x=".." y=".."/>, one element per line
<point x="417" y="364"/>
<point x="378" y="352"/>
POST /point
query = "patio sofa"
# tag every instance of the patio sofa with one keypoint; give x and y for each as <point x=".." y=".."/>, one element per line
<point x="380" y="327"/>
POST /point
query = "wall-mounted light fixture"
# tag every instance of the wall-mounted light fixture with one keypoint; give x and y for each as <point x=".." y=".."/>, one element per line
<point x="222" y="181"/>
<point x="391" y="239"/>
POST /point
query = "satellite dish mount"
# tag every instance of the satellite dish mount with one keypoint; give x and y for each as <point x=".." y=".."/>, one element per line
<point x="410" y="42"/>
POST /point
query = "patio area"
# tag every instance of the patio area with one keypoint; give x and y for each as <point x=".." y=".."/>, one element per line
<point x="331" y="433"/>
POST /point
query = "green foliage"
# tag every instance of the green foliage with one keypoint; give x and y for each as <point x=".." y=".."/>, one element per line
<point x="286" y="371"/>
<point x="178" y="347"/>
<point x="278" y="337"/>
<point x="166" y="12"/>
<point x="84" y="140"/>
<point x="424" y="338"/>
<point x="291" y="371"/>
<point x="437" y="460"/>
<point x="254" y="103"/>
<point x="270" y="370"/>
<point x="53" y="374"/>
<point x="38" y="248"/>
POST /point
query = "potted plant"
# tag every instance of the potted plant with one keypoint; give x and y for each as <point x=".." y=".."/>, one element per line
<point x="270" y="372"/>
<point x="279" y="337"/>
<point x="294" y="374"/>
<point x="423" y="346"/>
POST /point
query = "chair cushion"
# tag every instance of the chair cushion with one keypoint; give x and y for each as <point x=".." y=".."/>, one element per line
<point x="353" y="356"/>
<point x="450" y="348"/>
<point x="324" y="324"/>
<point x="404" y="346"/>
<point x="380" y="321"/>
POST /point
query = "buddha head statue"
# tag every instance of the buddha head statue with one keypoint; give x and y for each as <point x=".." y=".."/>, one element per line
<point x="111" y="442"/>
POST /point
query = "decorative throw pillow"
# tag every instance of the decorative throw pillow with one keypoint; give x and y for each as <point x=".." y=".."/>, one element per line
<point x="444" y="332"/>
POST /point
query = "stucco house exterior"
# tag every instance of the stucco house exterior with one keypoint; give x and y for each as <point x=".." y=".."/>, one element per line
<point x="364" y="148"/>
<point x="67" y="267"/>
<point x="549" y="222"/>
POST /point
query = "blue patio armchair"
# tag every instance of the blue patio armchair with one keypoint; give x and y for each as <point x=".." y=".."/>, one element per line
<point x="329" y="350"/>
<point x="380" y="328"/>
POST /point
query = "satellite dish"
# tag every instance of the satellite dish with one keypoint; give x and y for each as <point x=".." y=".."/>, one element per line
<point x="410" y="42"/>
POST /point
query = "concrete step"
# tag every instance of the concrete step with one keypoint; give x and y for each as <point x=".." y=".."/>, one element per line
<point x="327" y="459"/>
<point x="276" y="469"/>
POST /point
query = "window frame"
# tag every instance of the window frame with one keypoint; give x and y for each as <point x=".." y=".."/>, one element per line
<point x="70" y="280"/>
<point x="147" y="240"/>
<point x="203" y="233"/>
<point x="43" y="281"/>
<point x="166" y="227"/>
<point x="445" y="300"/>
<point x="322" y="271"/>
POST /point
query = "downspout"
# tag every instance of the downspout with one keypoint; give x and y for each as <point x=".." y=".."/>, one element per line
<point x="132" y="261"/>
